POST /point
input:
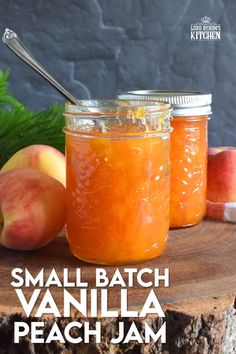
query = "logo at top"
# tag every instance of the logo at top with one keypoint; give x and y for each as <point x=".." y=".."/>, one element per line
<point x="205" y="30"/>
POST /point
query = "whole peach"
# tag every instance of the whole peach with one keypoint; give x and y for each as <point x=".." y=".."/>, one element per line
<point x="40" y="157"/>
<point x="32" y="208"/>
<point x="221" y="174"/>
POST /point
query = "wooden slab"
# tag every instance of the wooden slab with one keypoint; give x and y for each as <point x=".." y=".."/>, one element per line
<point x="201" y="259"/>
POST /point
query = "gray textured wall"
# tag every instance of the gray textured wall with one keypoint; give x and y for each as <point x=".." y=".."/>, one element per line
<point x="97" y="48"/>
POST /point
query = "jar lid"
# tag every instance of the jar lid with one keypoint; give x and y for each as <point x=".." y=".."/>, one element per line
<point x="184" y="103"/>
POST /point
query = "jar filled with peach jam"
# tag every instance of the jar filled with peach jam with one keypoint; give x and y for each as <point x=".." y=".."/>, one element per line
<point x="117" y="161"/>
<point x="188" y="152"/>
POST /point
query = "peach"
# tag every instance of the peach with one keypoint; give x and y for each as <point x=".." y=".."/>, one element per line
<point x="221" y="180"/>
<point x="40" y="157"/>
<point x="32" y="208"/>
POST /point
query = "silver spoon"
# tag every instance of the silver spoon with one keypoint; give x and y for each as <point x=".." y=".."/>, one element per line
<point x="13" y="42"/>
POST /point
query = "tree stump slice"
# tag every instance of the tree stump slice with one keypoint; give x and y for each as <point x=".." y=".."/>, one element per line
<point x="199" y="304"/>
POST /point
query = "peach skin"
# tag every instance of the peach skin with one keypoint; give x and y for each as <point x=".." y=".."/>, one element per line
<point x="40" y="157"/>
<point x="221" y="180"/>
<point x="32" y="208"/>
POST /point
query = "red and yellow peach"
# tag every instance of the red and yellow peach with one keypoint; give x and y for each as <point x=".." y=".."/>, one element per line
<point x="32" y="208"/>
<point x="44" y="158"/>
<point x="221" y="180"/>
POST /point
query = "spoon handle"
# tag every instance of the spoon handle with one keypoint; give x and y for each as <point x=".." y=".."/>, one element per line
<point x="13" y="42"/>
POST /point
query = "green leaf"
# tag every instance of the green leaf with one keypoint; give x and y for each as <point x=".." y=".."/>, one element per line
<point x="21" y="127"/>
<point x="7" y="101"/>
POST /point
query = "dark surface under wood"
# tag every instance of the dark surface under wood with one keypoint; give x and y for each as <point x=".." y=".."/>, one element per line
<point x="199" y="303"/>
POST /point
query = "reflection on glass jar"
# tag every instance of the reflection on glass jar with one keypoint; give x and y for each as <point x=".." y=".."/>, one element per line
<point x="117" y="180"/>
<point x="188" y="156"/>
<point x="188" y="152"/>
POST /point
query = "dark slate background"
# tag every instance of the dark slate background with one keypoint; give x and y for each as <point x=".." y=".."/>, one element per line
<point x="97" y="48"/>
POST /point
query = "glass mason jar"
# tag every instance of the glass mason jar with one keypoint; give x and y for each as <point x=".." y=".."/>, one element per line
<point x="117" y="155"/>
<point x="188" y="152"/>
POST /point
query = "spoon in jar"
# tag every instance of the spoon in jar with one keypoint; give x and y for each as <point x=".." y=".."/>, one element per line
<point x="13" y="42"/>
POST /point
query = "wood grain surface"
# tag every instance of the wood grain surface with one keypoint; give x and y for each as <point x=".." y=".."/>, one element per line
<point x="201" y="259"/>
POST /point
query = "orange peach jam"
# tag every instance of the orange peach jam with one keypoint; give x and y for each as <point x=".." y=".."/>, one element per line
<point x="188" y="155"/>
<point x="117" y="182"/>
<point x="188" y="152"/>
